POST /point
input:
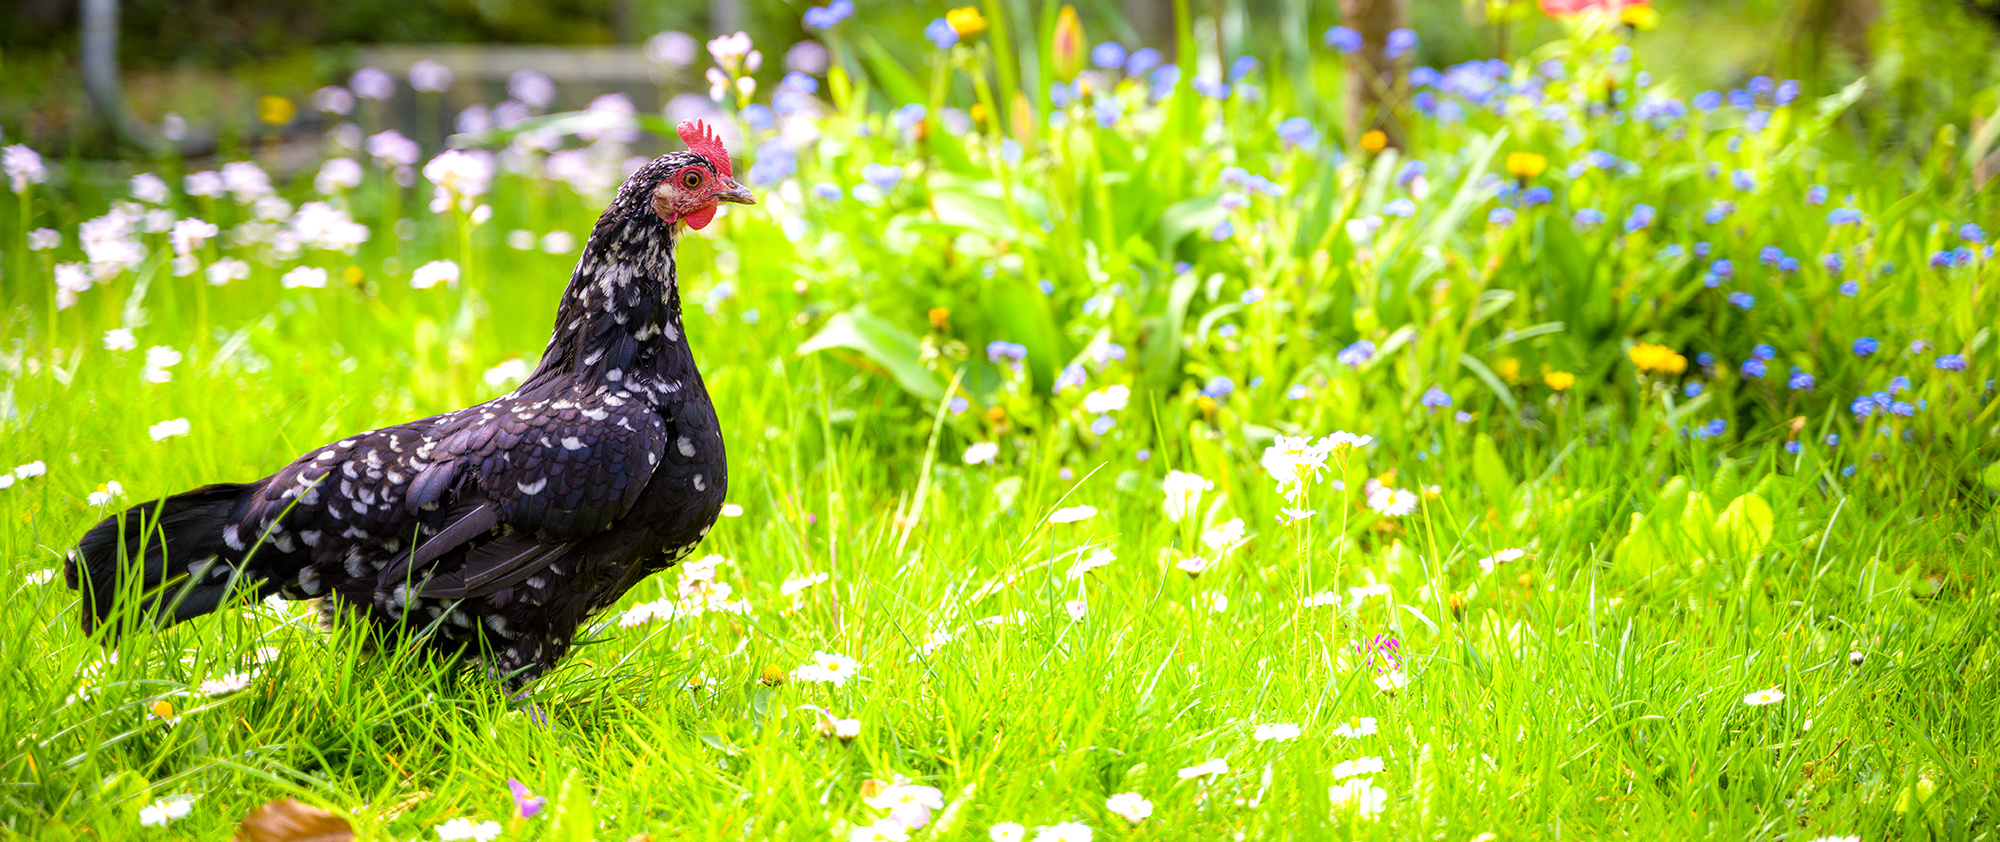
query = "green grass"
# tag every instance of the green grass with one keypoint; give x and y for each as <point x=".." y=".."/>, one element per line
<point x="1573" y="691"/>
<point x="1596" y="686"/>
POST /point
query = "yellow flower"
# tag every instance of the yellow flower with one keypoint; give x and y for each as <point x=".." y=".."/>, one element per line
<point x="966" y="21"/>
<point x="1559" y="380"/>
<point x="1526" y="165"/>
<point x="940" y="317"/>
<point x="1640" y="17"/>
<point x="1509" y="369"/>
<point x="772" y="676"/>
<point x="1374" y="140"/>
<point x="275" y="109"/>
<point x="1658" y="358"/>
<point x="1066" y="53"/>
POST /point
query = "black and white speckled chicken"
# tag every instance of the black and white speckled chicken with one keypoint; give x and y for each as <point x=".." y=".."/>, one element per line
<point x="494" y="530"/>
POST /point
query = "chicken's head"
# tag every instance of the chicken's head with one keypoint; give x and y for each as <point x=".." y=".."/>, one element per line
<point x="695" y="181"/>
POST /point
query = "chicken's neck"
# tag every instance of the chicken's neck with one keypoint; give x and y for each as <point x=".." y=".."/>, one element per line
<point x="619" y="325"/>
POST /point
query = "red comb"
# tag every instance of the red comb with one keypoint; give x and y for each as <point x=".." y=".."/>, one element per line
<point x="701" y="140"/>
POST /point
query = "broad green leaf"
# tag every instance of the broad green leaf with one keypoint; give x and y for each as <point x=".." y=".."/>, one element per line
<point x="889" y="73"/>
<point x="1696" y="519"/>
<point x="1163" y="344"/>
<point x="1744" y="526"/>
<point x="1641" y="552"/>
<point x="1490" y="472"/>
<point x="1180" y="219"/>
<point x="882" y="343"/>
<point x="1022" y="315"/>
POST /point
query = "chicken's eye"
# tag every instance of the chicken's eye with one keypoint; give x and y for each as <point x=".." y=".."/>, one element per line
<point x="691" y="180"/>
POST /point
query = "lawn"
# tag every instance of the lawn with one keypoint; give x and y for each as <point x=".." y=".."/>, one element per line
<point x="1169" y="460"/>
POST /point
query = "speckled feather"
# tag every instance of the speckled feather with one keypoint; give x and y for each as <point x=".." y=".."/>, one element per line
<point x="498" y="528"/>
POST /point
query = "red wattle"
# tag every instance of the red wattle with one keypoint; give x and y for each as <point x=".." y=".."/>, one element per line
<point x="699" y="219"/>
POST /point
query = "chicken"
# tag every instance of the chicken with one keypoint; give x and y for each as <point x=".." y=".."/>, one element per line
<point x="492" y="531"/>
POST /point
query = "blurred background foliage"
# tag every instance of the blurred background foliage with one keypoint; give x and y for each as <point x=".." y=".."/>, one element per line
<point x="1926" y="60"/>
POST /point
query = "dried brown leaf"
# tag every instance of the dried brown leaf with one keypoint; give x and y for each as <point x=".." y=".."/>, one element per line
<point x="287" y="820"/>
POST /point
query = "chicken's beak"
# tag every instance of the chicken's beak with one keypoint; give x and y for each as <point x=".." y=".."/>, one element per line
<point x="734" y="192"/>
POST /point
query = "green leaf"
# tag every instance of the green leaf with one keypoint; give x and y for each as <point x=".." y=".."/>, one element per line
<point x="1182" y="218"/>
<point x="1490" y="472"/>
<point x="1486" y="376"/>
<point x="1641" y="552"/>
<point x="128" y="788"/>
<point x="1696" y="519"/>
<point x="1744" y="526"/>
<point x="1510" y="336"/>
<point x="889" y="73"/>
<point x="1163" y="344"/>
<point x="1470" y="194"/>
<point x="983" y="215"/>
<point x="575" y="819"/>
<point x="882" y="343"/>
<point x="1022" y="314"/>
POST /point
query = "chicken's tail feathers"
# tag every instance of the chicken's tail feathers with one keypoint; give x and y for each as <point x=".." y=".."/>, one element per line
<point x="172" y="558"/>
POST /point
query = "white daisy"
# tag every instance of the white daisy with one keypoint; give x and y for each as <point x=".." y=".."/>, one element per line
<point x="1486" y="564"/>
<point x="1393" y="502"/>
<point x="1224" y="536"/>
<point x="1097" y="559"/>
<point x="1359" y="727"/>
<point x="167" y="809"/>
<point x="1065" y="832"/>
<point x="1769" y="696"/>
<point x="1280" y="731"/>
<point x="1351" y="768"/>
<point x="795" y="584"/>
<point x="231" y="683"/>
<point x="464" y="828"/>
<point x="1007" y="832"/>
<point x="169" y="429"/>
<point x="1184" y="492"/>
<point x="1217" y="766"/>
<point x="1072" y="514"/>
<point x="827" y="668"/>
<point x="1130" y="805"/>
<point x="1360" y="795"/>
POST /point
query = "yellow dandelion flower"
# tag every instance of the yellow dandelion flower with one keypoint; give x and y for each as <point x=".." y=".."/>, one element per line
<point x="1374" y="140"/>
<point x="1559" y="380"/>
<point x="1526" y="165"/>
<point x="1658" y="358"/>
<point x="1509" y="369"/>
<point x="966" y="21"/>
<point x="275" y="110"/>
<point x="1640" y="17"/>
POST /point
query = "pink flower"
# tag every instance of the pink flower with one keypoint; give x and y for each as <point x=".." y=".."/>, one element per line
<point x="526" y="804"/>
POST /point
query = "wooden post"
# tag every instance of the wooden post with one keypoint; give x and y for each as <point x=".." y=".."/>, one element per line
<point x="1374" y="81"/>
